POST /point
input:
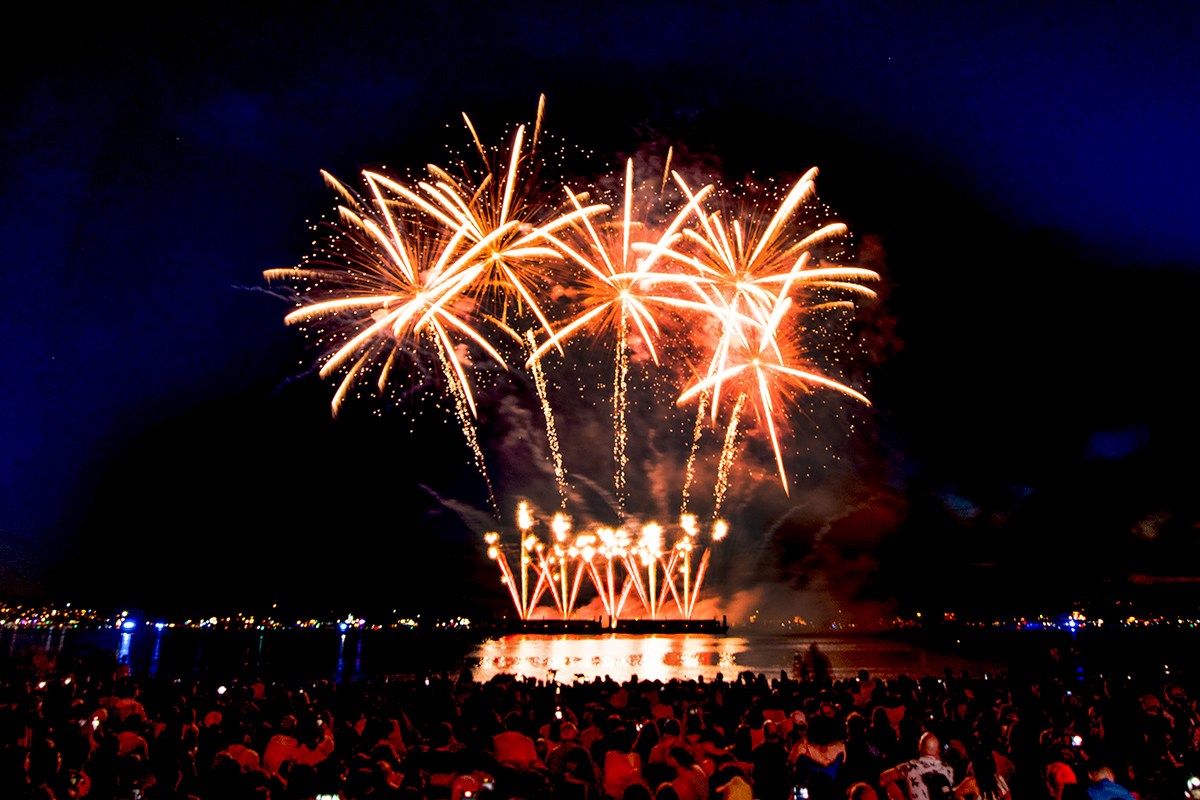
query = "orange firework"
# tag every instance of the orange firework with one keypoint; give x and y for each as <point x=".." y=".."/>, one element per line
<point x="503" y="218"/>
<point x="764" y="364"/>
<point x="749" y="264"/>
<point x="384" y="288"/>
<point x="468" y="265"/>
<point x="621" y="276"/>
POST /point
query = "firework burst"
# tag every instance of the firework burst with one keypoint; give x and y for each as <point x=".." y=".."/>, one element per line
<point x="383" y="289"/>
<point x="751" y="262"/>
<point x="504" y="220"/>
<point x="433" y="276"/>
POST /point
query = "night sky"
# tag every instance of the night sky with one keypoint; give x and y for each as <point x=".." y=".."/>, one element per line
<point x="1023" y="176"/>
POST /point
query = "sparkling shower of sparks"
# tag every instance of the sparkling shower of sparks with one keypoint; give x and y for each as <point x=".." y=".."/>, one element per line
<point x="539" y="382"/>
<point x="463" y="411"/>
<point x="765" y="371"/>
<point x="379" y="289"/>
<point x="620" y="428"/>
<point x="689" y="471"/>
<point x="727" y="453"/>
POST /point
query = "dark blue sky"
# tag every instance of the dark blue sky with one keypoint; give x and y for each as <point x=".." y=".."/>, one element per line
<point x="1028" y="171"/>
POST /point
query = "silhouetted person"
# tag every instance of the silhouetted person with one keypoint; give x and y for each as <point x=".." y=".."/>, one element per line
<point x="819" y="663"/>
<point x="770" y="774"/>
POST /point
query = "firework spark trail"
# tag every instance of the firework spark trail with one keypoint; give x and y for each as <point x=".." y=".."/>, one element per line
<point x="669" y="571"/>
<point x="466" y="421"/>
<point x="727" y="453"/>
<point x="620" y="431"/>
<point x="601" y="589"/>
<point x="576" y="584"/>
<point x="686" y="546"/>
<point x="545" y="583"/>
<point x="561" y="526"/>
<point x="492" y="539"/>
<point x="689" y="472"/>
<point x="666" y="171"/>
<point x="651" y="551"/>
<point x="700" y="573"/>
<point x="539" y="382"/>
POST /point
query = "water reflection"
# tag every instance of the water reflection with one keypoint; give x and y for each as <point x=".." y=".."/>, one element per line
<point x="327" y="654"/>
<point x="617" y="656"/>
<point x="157" y="649"/>
<point x="351" y="655"/>
<point x="702" y="657"/>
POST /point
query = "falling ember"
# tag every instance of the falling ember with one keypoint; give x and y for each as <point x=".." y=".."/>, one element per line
<point x="620" y="430"/>
<point x="727" y="453"/>
<point x="689" y="471"/>
<point x="668" y="281"/>
<point x="539" y="383"/>
<point x="467" y="423"/>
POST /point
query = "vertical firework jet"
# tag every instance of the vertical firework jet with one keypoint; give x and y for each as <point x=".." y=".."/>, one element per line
<point x="619" y="290"/>
<point x="466" y="265"/>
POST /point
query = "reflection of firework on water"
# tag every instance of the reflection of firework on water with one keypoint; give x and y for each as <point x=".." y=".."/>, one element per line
<point x="435" y="276"/>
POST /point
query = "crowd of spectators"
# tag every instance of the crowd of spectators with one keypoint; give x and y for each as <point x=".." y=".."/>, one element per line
<point x="96" y="731"/>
